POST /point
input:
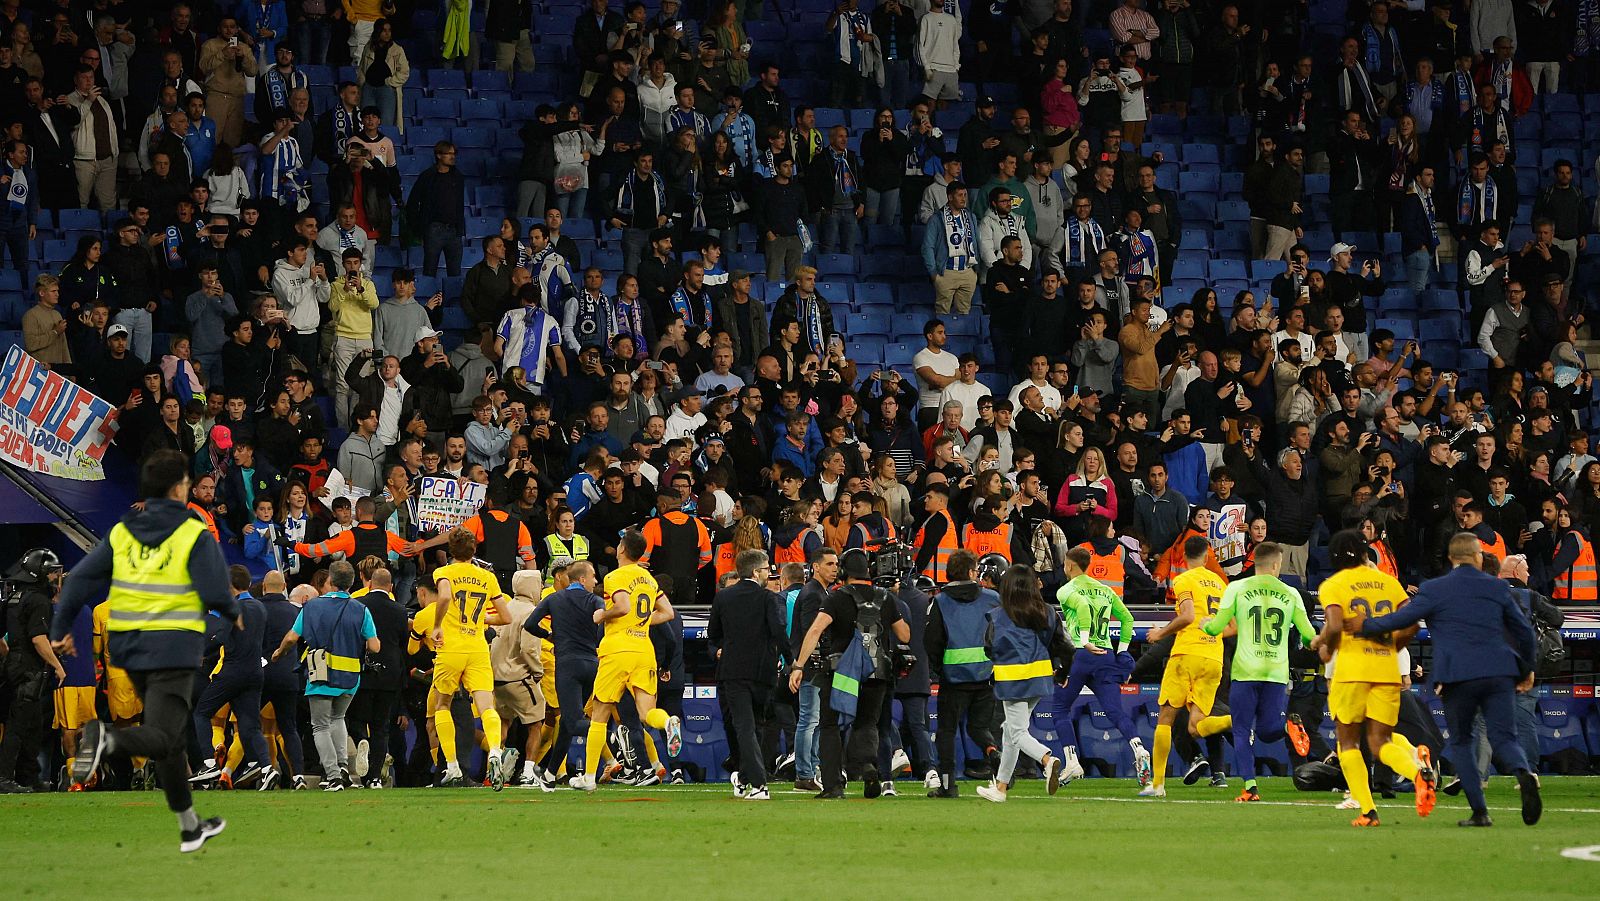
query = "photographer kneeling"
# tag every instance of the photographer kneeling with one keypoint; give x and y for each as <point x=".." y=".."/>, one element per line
<point x="857" y="620"/>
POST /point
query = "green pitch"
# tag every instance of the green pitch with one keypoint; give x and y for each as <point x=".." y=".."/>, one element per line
<point x="699" y="842"/>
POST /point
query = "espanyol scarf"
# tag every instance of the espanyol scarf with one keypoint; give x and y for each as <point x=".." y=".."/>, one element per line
<point x="16" y="190"/>
<point x="1141" y="254"/>
<point x="345" y="125"/>
<point x="959" y="234"/>
<point x="1588" y="17"/>
<point x="279" y="86"/>
<point x="1461" y="91"/>
<point x="658" y="187"/>
<point x="595" y="320"/>
<point x="691" y="186"/>
<point x="810" y="313"/>
<point x="844" y="178"/>
<point x="1077" y="250"/>
<point x="629" y="320"/>
<point x="171" y="245"/>
<point x="849" y="47"/>
<point x="1422" y="101"/>
<point x="1355" y="92"/>
<point x="684" y="304"/>
<point x="1484" y="203"/>
<point x="1500" y="77"/>
<point x="1481" y="121"/>
<point x="1376" y="45"/>
<point x="680" y="118"/>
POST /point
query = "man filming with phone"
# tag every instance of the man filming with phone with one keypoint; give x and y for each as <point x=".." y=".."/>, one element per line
<point x="351" y="300"/>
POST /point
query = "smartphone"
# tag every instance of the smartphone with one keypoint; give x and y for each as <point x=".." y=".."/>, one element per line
<point x="657" y="365"/>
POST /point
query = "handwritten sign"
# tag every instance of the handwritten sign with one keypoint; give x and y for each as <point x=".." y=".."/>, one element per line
<point x="444" y="503"/>
<point x="50" y="425"/>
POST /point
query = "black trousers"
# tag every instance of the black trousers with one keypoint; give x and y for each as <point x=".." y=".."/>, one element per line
<point x="29" y="695"/>
<point x="973" y="701"/>
<point x="285" y="701"/>
<point x="167" y="694"/>
<point x="370" y="714"/>
<point x="243" y="698"/>
<point x="744" y="706"/>
<point x="862" y="750"/>
<point x="574" y="685"/>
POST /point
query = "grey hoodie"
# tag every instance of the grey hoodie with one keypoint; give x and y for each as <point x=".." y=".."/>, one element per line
<point x="154" y="650"/>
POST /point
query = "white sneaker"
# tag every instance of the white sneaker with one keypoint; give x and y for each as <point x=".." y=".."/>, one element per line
<point x="1141" y="763"/>
<point x="1071" y="767"/>
<point x="931" y="779"/>
<point x="583" y="783"/>
<point x="990" y="793"/>
<point x="756" y="794"/>
<point x="1052" y="774"/>
<point x="363" y="758"/>
<point x="738" y="787"/>
<point x="1348" y="803"/>
<point x="1151" y="791"/>
<point x="886" y="790"/>
<point x="899" y="761"/>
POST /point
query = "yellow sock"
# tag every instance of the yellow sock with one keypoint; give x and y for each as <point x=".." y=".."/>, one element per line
<point x="219" y="734"/>
<point x="1354" y="768"/>
<point x="445" y="726"/>
<point x="547" y="738"/>
<point x="1158" y="763"/>
<point x="593" y="747"/>
<point x="656" y="718"/>
<point x="235" y="754"/>
<point x="492" y="729"/>
<point x="1213" y="725"/>
<point x="650" y="751"/>
<point x="139" y="762"/>
<point x="1400" y="757"/>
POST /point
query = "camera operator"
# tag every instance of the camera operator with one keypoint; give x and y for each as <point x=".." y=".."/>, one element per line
<point x="857" y="606"/>
<point x="912" y="689"/>
<point x="27" y="668"/>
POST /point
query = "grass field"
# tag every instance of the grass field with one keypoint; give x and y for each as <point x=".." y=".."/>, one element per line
<point x="699" y="842"/>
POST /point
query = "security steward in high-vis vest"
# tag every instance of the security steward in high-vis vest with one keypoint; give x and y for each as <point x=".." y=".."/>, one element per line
<point x="988" y="532"/>
<point x="160" y="570"/>
<point x="937" y="538"/>
<point x="953" y="638"/>
<point x="503" y="540"/>
<point x="562" y="541"/>
<point x="677" y="545"/>
<point x="1573" y="563"/>
<point x="365" y="539"/>
<point x="1472" y="520"/>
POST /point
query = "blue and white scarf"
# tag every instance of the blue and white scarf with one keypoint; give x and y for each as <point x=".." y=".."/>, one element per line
<point x="1477" y="207"/>
<point x="679" y="118"/>
<point x="17" y="189"/>
<point x="844" y="175"/>
<point x="1588" y="35"/>
<point x="1490" y="127"/>
<point x="345" y="126"/>
<point x="1460" y="91"/>
<point x="1355" y="92"/>
<point x="697" y="209"/>
<point x="684" y="304"/>
<point x="850" y="50"/>
<point x="959" y="231"/>
<point x="1141" y="255"/>
<point x="809" y="312"/>
<point x="172" y="248"/>
<point x="1500" y="77"/>
<point x="1081" y="242"/>
<point x="629" y="320"/>
<point x="658" y="187"/>
<point x="1422" y="101"/>
<point x="595" y="321"/>
<point x="279" y="86"/>
<point x="1375" y="45"/>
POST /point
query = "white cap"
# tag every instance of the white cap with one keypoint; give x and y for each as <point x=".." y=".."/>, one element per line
<point x="116" y="330"/>
<point x="424" y="333"/>
<point x="1339" y="248"/>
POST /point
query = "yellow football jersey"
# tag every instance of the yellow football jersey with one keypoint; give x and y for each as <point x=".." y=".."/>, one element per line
<point x="633" y="587"/>
<point x="1205" y="589"/>
<point x="473" y="590"/>
<point x="1370" y="592"/>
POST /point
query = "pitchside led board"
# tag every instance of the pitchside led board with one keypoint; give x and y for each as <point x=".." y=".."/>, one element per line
<point x="50" y="425"/>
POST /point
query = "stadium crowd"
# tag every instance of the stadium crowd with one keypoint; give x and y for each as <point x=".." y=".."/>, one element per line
<point x="643" y="341"/>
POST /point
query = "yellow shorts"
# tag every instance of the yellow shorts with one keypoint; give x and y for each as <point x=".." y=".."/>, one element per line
<point x="120" y="697"/>
<point x="462" y="669"/>
<point x="1191" y="679"/>
<point x="74" y="706"/>
<point x="620" y="672"/>
<point x="1355" y="702"/>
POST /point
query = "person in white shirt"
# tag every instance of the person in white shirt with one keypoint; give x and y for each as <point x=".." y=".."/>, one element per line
<point x="939" y="48"/>
<point x="998" y="224"/>
<point x="1038" y="377"/>
<point x="935" y="368"/>
<point x="342" y="233"/>
<point x="720" y="379"/>
<point x="966" y="390"/>
<point x="686" y="417"/>
<point x="1294" y="323"/>
<point x="1176" y="377"/>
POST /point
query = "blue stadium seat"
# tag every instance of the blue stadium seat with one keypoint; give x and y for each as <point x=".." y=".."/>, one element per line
<point x="1206" y="181"/>
<point x="1200" y="153"/>
<point x="835" y="290"/>
<point x="1440" y="326"/>
<point x="831" y="265"/>
<point x="435" y="110"/>
<point x="873" y="293"/>
<point x="1559" y="729"/>
<point x="447" y="79"/>
<point x="476" y="138"/>
<point x="874" y="322"/>
<point x="1268" y="269"/>
<point x="898" y="354"/>
<point x="1188" y="267"/>
<point x="1228" y="268"/>
<point x="866" y="352"/>
<point x="490" y="81"/>
<point x="1233" y="211"/>
<point x="80" y="220"/>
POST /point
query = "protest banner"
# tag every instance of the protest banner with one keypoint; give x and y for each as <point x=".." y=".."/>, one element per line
<point x="444" y="503"/>
<point x="50" y="425"/>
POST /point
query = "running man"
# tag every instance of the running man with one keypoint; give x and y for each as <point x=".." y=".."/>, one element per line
<point x="1194" y="668"/>
<point x="1087" y="606"/>
<point x="1364" y="687"/>
<point x="1261" y="609"/>
<point x="634" y="603"/>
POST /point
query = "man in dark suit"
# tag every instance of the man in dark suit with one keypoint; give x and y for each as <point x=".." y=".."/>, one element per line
<point x="1483" y="652"/>
<point x="746" y="629"/>
<point x="47" y="127"/>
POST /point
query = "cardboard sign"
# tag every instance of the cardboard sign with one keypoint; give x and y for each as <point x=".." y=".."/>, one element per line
<point x="50" y="425"/>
